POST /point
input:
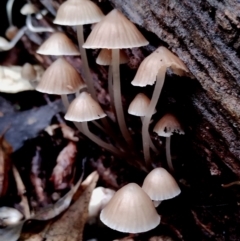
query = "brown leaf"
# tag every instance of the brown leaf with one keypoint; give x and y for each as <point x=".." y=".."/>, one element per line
<point x="5" y="164"/>
<point x="61" y="174"/>
<point x="68" y="226"/>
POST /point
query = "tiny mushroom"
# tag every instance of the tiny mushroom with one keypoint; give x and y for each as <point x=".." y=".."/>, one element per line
<point x="138" y="107"/>
<point x="130" y="211"/>
<point x="60" y="78"/>
<point x="160" y="185"/>
<point x="9" y="216"/>
<point x="167" y="126"/>
<point x="83" y="109"/>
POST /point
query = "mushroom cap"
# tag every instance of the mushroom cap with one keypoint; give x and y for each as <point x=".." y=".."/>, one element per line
<point x="167" y="125"/>
<point x="84" y="108"/>
<point x="28" y="8"/>
<point x="105" y="57"/>
<point x="148" y="69"/>
<point x="115" y="31"/>
<point x="160" y="185"/>
<point x="60" y="78"/>
<point x="139" y="105"/>
<point x="11" y="32"/>
<point x="130" y="210"/>
<point x="28" y="72"/>
<point x="58" y="44"/>
<point x="9" y="216"/>
<point x="78" y="12"/>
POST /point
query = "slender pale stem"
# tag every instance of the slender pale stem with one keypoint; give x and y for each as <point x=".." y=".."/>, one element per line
<point x="36" y="29"/>
<point x="9" y="11"/>
<point x="152" y="146"/>
<point x="86" y="71"/>
<point x="65" y="101"/>
<point x="168" y="154"/>
<point x="110" y="86"/>
<point x="118" y="97"/>
<point x="150" y="112"/>
<point x="98" y="141"/>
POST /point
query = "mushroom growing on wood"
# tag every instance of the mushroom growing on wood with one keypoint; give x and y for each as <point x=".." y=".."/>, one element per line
<point x="160" y="185"/>
<point x="167" y="126"/>
<point x="153" y="69"/>
<point x="116" y="32"/>
<point x="130" y="211"/>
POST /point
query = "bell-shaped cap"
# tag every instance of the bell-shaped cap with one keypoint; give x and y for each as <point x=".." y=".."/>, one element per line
<point x="160" y="185"/>
<point x="11" y="32"/>
<point x="58" y="44"/>
<point x="115" y="31"/>
<point x="148" y="69"/>
<point x="105" y="57"/>
<point x="78" y="12"/>
<point x="139" y="105"/>
<point x="167" y="125"/>
<point x="28" y="8"/>
<point x="84" y="108"/>
<point x="28" y="72"/>
<point x="60" y="78"/>
<point x="130" y="210"/>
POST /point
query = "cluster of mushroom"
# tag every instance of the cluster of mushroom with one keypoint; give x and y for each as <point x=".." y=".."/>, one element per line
<point x="131" y="209"/>
<point x="112" y="33"/>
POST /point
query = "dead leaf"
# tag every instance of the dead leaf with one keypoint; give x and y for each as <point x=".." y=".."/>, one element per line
<point x="5" y="164"/>
<point x="61" y="174"/>
<point x="11" y="80"/>
<point x="69" y="226"/>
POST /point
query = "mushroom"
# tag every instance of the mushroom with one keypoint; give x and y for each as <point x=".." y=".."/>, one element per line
<point x="160" y="185"/>
<point x="27" y="10"/>
<point x="83" y="109"/>
<point x="130" y="211"/>
<point x="29" y="73"/>
<point x="166" y="127"/>
<point x="58" y="44"/>
<point x="116" y="32"/>
<point x="60" y="78"/>
<point x="138" y="107"/>
<point x="153" y="69"/>
<point x="9" y="216"/>
<point x="77" y="13"/>
<point x="11" y="30"/>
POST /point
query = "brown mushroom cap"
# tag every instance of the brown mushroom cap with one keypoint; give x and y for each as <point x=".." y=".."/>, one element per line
<point x="78" y="12"/>
<point x="28" y="72"/>
<point x="160" y="185"/>
<point x="60" y="78"/>
<point x="105" y="57"/>
<point x="167" y="125"/>
<point x="139" y="105"/>
<point x="84" y="108"/>
<point x="148" y="69"/>
<point x="115" y="31"/>
<point x="130" y="210"/>
<point x="58" y="44"/>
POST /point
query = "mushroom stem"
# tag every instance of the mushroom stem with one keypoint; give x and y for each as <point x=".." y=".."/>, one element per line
<point x="16" y="38"/>
<point x="9" y="11"/>
<point x="110" y="87"/>
<point x="86" y="70"/>
<point x="168" y="154"/>
<point x="150" y="141"/>
<point x="118" y="98"/>
<point x="65" y="101"/>
<point x="83" y="127"/>
<point x="36" y="29"/>
<point x="150" y="112"/>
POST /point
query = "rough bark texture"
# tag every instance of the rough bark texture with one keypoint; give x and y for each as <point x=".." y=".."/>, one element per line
<point x="205" y="35"/>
